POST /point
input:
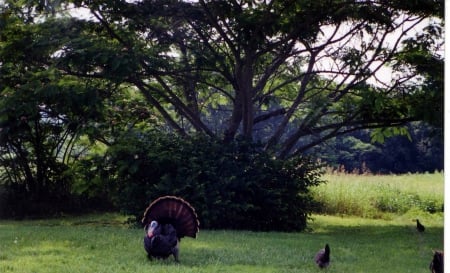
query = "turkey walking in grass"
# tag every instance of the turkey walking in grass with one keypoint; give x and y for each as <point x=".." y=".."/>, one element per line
<point x="166" y="221"/>
<point x="419" y="226"/>
<point x="437" y="264"/>
<point x="322" y="257"/>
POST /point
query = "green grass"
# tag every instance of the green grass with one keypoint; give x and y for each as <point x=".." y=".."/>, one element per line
<point x="378" y="196"/>
<point x="103" y="244"/>
<point x="379" y="237"/>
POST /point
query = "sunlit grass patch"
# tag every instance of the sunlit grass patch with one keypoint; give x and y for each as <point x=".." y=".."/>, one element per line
<point x="378" y="196"/>
<point x="358" y="245"/>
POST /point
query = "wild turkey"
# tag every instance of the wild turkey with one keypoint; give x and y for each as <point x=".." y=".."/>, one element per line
<point x="166" y="220"/>
<point x="419" y="226"/>
<point x="322" y="257"/>
<point x="437" y="264"/>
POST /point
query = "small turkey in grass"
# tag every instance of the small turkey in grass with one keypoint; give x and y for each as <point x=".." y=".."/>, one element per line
<point x="419" y="226"/>
<point x="437" y="264"/>
<point x="322" y="257"/>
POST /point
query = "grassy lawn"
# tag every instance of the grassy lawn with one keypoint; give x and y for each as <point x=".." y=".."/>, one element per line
<point x="102" y="244"/>
<point x="363" y="236"/>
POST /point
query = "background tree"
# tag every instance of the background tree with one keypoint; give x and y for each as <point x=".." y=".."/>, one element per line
<point x="314" y="67"/>
<point x="288" y="74"/>
<point x="43" y="112"/>
<point x="421" y="151"/>
<point x="285" y="76"/>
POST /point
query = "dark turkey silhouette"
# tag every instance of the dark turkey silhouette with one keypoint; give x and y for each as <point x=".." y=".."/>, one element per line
<point x="166" y="220"/>
<point x="419" y="226"/>
<point x="322" y="257"/>
<point x="437" y="264"/>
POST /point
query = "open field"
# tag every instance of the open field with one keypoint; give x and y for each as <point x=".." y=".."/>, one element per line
<point x="380" y="196"/>
<point x="362" y="243"/>
<point x="103" y="244"/>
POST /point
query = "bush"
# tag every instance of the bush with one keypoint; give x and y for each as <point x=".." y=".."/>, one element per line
<point x="60" y="196"/>
<point x="19" y="203"/>
<point x="233" y="186"/>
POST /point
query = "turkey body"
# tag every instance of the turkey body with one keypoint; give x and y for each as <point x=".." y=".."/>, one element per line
<point x="419" y="226"/>
<point x="322" y="257"/>
<point x="437" y="264"/>
<point x="161" y="241"/>
<point x="166" y="220"/>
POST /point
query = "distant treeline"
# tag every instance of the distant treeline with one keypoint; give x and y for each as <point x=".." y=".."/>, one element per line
<point x="422" y="151"/>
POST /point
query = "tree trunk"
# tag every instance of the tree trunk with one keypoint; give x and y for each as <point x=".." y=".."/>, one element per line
<point x="243" y="110"/>
<point x="245" y="79"/>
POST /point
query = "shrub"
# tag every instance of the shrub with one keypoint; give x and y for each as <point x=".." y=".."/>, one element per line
<point x="18" y="199"/>
<point x="234" y="186"/>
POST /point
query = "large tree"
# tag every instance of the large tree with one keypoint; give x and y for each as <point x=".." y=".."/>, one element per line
<point x="290" y="74"/>
<point x="43" y="113"/>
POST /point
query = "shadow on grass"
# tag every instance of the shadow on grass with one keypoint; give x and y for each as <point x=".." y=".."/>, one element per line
<point x="356" y="246"/>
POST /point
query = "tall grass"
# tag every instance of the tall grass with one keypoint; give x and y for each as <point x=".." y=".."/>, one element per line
<point x="378" y="196"/>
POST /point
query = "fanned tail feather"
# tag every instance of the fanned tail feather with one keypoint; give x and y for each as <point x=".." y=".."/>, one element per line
<point x="176" y="211"/>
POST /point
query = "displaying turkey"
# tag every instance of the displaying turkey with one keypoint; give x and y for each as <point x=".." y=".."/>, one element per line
<point x="166" y="220"/>
<point x="322" y="257"/>
<point x="419" y="226"/>
<point x="437" y="264"/>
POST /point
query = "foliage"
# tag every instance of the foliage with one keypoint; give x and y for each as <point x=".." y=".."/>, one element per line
<point x="42" y="113"/>
<point x="50" y="119"/>
<point x="222" y="69"/>
<point x="234" y="185"/>
<point x="288" y="74"/>
<point x="356" y="153"/>
<point x="102" y="243"/>
<point x="422" y="55"/>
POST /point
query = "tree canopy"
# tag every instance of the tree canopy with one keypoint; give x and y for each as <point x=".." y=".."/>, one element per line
<point x="256" y="84"/>
<point x="289" y="74"/>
